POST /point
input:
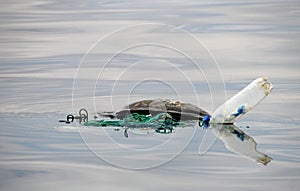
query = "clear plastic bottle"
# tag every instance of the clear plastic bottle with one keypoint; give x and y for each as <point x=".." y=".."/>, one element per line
<point x="242" y="102"/>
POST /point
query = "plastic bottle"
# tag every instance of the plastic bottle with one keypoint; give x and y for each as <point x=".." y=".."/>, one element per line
<point x="242" y="102"/>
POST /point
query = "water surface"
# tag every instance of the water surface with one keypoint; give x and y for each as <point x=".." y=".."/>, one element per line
<point x="43" y="43"/>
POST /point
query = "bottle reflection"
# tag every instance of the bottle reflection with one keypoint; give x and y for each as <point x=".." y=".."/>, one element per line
<point x="239" y="142"/>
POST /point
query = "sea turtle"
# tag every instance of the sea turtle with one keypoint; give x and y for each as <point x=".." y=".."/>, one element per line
<point x="178" y="110"/>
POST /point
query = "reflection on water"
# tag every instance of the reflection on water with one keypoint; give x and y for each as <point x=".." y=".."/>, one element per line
<point x="233" y="137"/>
<point x="239" y="142"/>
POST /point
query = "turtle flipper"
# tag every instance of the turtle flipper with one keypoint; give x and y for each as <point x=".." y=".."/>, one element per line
<point x="126" y="133"/>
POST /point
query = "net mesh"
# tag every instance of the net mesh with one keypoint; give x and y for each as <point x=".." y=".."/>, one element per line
<point x="135" y="120"/>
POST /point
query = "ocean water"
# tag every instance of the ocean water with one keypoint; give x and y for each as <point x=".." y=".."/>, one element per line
<point x="59" y="56"/>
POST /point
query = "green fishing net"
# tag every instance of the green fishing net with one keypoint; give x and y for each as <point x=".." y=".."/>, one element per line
<point x="135" y="120"/>
<point x="103" y="123"/>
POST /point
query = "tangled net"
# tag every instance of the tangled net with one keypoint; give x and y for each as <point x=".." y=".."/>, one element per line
<point x="162" y="123"/>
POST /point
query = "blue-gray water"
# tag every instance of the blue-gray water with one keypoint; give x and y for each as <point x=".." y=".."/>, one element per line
<point x="43" y="43"/>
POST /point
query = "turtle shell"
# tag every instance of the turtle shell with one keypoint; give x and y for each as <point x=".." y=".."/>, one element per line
<point x="178" y="110"/>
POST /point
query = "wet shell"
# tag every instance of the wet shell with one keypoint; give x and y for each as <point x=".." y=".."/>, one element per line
<point x="178" y="110"/>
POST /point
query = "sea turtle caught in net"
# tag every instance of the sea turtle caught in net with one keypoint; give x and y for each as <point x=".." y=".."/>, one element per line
<point x="179" y="111"/>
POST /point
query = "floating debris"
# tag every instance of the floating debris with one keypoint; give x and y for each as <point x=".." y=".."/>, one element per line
<point x="164" y="115"/>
